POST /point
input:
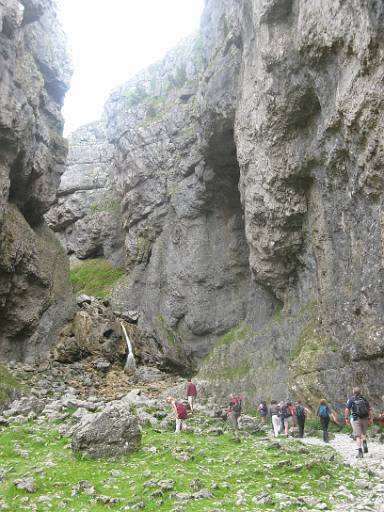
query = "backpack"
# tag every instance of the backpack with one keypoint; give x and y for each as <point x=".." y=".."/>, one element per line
<point x="323" y="411"/>
<point x="286" y="412"/>
<point x="181" y="411"/>
<point x="360" y="407"/>
<point x="300" y="411"/>
<point x="236" y="407"/>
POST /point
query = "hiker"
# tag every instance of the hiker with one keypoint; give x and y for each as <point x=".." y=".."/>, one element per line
<point x="180" y="413"/>
<point x="292" y="410"/>
<point x="361" y="419"/>
<point x="301" y="412"/>
<point x="324" y="413"/>
<point x="191" y="394"/>
<point x="287" y="416"/>
<point x="234" y="410"/>
<point x="263" y="410"/>
<point x="274" y="411"/>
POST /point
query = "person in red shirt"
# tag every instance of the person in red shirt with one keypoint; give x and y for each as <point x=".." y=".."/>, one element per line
<point x="180" y="413"/>
<point x="191" y="394"/>
<point x="234" y="410"/>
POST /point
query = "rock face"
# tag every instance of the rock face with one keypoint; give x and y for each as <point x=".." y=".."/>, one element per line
<point x="250" y="161"/>
<point x="96" y="330"/>
<point x="87" y="215"/>
<point x="186" y="249"/>
<point x="110" y="433"/>
<point x="249" y="166"/>
<point x="34" y="288"/>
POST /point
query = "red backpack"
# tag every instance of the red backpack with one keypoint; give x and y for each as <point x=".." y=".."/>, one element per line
<point x="181" y="411"/>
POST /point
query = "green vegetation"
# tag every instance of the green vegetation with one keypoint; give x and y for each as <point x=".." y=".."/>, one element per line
<point x="220" y="364"/>
<point x="277" y="313"/>
<point x="94" y="277"/>
<point x="198" y="42"/>
<point x="180" y="76"/>
<point x="109" y="205"/>
<point x="135" y="94"/>
<point x="232" y="373"/>
<point x="189" y="131"/>
<point x="226" y="27"/>
<point x="238" y="333"/>
<point x="311" y="340"/>
<point x="174" y="339"/>
<point x="314" y="424"/>
<point x="223" y="465"/>
<point x="8" y="383"/>
<point x="310" y="307"/>
<point x="308" y="341"/>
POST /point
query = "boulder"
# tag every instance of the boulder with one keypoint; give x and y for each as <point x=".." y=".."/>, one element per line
<point x="148" y="374"/>
<point x="26" y="484"/>
<point x="249" y="424"/>
<point x="110" y="433"/>
<point x="24" y="406"/>
<point x="136" y="398"/>
<point x="146" y="419"/>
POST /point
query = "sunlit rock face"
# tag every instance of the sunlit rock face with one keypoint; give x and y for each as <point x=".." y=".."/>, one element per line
<point x="34" y="288"/>
<point x="250" y="165"/>
<point x="87" y="215"/>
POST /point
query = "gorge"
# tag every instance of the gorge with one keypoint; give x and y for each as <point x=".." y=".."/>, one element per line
<point x="238" y="183"/>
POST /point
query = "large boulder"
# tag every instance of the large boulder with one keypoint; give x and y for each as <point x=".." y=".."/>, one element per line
<point x="110" y="433"/>
<point x="24" y="406"/>
<point x="250" y="424"/>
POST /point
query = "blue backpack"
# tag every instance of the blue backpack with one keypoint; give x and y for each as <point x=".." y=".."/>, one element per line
<point x="323" y="411"/>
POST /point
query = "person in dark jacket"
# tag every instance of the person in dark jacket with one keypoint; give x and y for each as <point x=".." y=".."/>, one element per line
<point x="301" y="413"/>
<point x="263" y="410"/>
<point x="324" y="413"/>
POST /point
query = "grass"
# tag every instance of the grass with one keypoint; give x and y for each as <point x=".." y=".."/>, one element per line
<point x="109" y="205"/>
<point x="220" y="463"/>
<point x="94" y="277"/>
<point x="174" y="339"/>
<point x="8" y="383"/>
<point x="238" y="333"/>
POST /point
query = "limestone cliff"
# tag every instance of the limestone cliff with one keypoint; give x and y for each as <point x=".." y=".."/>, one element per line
<point x="249" y="165"/>
<point x="86" y="216"/>
<point x="34" y="288"/>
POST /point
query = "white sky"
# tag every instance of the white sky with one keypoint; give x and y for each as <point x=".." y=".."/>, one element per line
<point x="111" y="40"/>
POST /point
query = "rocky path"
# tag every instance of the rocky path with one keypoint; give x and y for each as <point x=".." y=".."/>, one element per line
<point x="372" y="494"/>
<point x="344" y="445"/>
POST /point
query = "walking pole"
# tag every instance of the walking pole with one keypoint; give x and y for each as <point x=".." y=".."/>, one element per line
<point x="130" y="365"/>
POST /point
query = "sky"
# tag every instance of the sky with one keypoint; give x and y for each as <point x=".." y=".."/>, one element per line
<point x="111" y="40"/>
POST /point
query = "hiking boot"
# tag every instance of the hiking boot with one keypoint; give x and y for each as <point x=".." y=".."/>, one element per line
<point x="365" y="447"/>
<point x="359" y="454"/>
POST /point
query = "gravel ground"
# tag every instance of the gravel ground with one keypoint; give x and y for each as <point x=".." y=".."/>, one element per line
<point x="371" y="493"/>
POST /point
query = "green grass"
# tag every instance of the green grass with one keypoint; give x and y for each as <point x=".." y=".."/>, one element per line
<point x="277" y="315"/>
<point x="94" y="277"/>
<point x="221" y="464"/>
<point x="7" y="383"/>
<point x="174" y="339"/>
<point x="238" y="333"/>
<point x="109" y="205"/>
